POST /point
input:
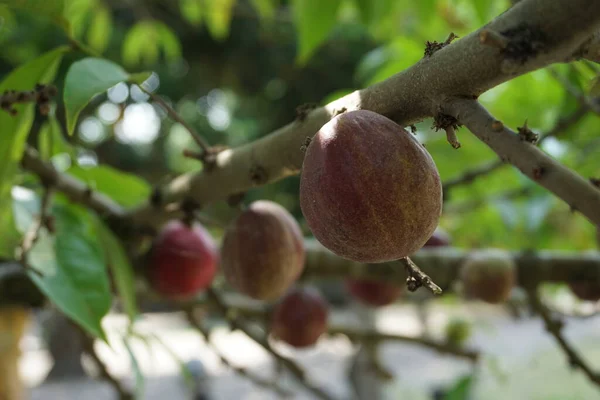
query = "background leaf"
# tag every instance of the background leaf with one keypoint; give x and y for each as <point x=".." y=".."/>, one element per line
<point x="121" y="268"/>
<point x="100" y="29"/>
<point x="85" y="79"/>
<point x="15" y="129"/>
<point x="314" y="21"/>
<point x="70" y="269"/>
<point x="51" y="140"/>
<point x="124" y="188"/>
<point x="218" y="17"/>
<point x="53" y="9"/>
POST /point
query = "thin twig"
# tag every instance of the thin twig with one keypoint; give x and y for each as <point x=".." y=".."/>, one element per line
<point x="40" y="95"/>
<point x="203" y="144"/>
<point x="238" y="323"/>
<point x="371" y="336"/>
<point x="266" y="383"/>
<point x="557" y="130"/>
<point x="554" y="327"/>
<point x="566" y="184"/>
<point x="417" y="278"/>
<point x="88" y="346"/>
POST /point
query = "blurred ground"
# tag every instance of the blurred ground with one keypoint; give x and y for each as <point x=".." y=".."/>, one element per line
<point x="522" y="361"/>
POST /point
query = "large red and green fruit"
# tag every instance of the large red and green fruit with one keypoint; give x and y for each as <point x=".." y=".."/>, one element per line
<point x="369" y="191"/>
<point x="300" y="318"/>
<point x="262" y="253"/>
<point x="489" y="275"/>
<point x="183" y="260"/>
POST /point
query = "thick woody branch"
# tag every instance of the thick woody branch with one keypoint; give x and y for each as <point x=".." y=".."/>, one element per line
<point x="538" y="36"/>
<point x="443" y="266"/>
<point x="579" y="193"/>
<point x="40" y="95"/>
<point x="591" y="49"/>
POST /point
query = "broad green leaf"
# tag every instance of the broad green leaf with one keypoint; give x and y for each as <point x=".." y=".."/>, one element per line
<point x="126" y="189"/>
<point x="218" y="17"/>
<point x="461" y="389"/>
<point x="146" y="39"/>
<point x="595" y="89"/>
<point x="85" y="79"/>
<point x="169" y="42"/>
<point x="70" y="269"/>
<point x="365" y="7"/>
<point x="191" y="11"/>
<point x="52" y="9"/>
<point x="51" y="140"/>
<point x="139" y="376"/>
<point x="15" y="129"/>
<point x="121" y="268"/>
<point x="314" y="21"/>
<point x="78" y="12"/>
<point x="265" y="8"/>
<point x="100" y="29"/>
<point x="482" y="8"/>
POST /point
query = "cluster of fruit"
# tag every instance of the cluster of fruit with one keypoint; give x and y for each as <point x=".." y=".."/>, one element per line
<point x="369" y="191"/>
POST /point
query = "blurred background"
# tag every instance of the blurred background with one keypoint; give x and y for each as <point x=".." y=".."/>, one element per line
<point x="238" y="69"/>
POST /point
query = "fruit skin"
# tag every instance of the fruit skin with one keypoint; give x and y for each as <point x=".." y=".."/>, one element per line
<point x="489" y="275"/>
<point x="586" y="291"/>
<point x="440" y="238"/>
<point x="262" y="253"/>
<point x="369" y="191"/>
<point x="300" y="318"/>
<point x="374" y="293"/>
<point x="183" y="260"/>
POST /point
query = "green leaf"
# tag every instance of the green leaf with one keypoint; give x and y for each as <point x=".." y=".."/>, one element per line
<point x="15" y="129"/>
<point x="218" y="17"/>
<point x="51" y="9"/>
<point x="461" y="389"/>
<point x="595" y="89"/>
<point x="126" y="189"/>
<point x="144" y="41"/>
<point x="482" y="8"/>
<point x="121" y="268"/>
<point x="69" y="268"/>
<point x="100" y="29"/>
<point x="365" y="7"/>
<point x="265" y="8"/>
<point x="191" y="11"/>
<point x="85" y="79"/>
<point x="51" y="140"/>
<point x="314" y="21"/>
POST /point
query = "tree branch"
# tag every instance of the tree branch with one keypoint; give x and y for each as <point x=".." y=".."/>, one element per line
<point x="40" y="95"/>
<point x="75" y="189"/>
<point x="559" y="128"/>
<point x="199" y="326"/>
<point x="554" y="327"/>
<point x="370" y="336"/>
<point x="579" y="193"/>
<point x="443" y="266"/>
<point x="464" y="68"/>
<point x="237" y="322"/>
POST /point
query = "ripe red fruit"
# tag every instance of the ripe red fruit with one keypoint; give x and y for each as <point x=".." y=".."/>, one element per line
<point x="369" y="191"/>
<point x="489" y="275"/>
<point x="183" y="260"/>
<point x="586" y="291"/>
<point x="374" y="293"/>
<point x="440" y="238"/>
<point x="262" y="253"/>
<point x="300" y="318"/>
